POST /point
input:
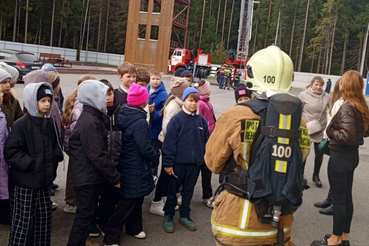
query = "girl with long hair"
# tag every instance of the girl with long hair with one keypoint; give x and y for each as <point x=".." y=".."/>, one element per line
<point x="345" y="130"/>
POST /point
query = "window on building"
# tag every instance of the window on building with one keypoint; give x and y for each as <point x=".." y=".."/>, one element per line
<point x="144" y="5"/>
<point x="154" y="35"/>
<point x="142" y="31"/>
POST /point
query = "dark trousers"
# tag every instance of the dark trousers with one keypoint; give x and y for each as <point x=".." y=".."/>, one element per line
<point x="156" y="144"/>
<point x="207" y="191"/>
<point x="162" y="186"/>
<point x="187" y="176"/>
<point x="129" y="213"/>
<point x="31" y="212"/>
<point x="108" y="200"/>
<point x="318" y="159"/>
<point x="86" y="200"/>
<point x="341" y="167"/>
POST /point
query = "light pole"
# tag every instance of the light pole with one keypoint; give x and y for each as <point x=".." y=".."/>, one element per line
<point x="88" y="29"/>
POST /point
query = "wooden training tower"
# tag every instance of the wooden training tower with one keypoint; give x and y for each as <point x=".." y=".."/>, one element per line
<point x="149" y="30"/>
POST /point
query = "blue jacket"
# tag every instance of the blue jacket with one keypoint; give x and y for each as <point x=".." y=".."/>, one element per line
<point x="185" y="140"/>
<point x="136" y="153"/>
<point x="159" y="96"/>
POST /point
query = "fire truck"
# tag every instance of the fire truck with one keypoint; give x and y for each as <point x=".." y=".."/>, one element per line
<point x="240" y="59"/>
<point x="195" y="61"/>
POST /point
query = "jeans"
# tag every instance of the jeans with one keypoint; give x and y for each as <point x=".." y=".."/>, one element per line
<point x="341" y="167"/>
<point x="221" y="81"/>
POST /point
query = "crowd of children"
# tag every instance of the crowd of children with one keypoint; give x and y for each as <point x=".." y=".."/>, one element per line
<point x="114" y="139"/>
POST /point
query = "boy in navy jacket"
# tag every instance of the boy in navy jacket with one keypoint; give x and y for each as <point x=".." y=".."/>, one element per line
<point x="183" y="154"/>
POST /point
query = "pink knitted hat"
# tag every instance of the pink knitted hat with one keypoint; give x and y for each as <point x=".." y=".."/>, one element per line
<point x="204" y="89"/>
<point x="137" y="95"/>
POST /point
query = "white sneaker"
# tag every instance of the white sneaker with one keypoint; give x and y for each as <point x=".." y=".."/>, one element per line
<point x="111" y="244"/>
<point x="157" y="208"/>
<point x="179" y="201"/>
<point x="69" y="209"/>
<point x="140" y="235"/>
<point x="209" y="202"/>
<point x="54" y="206"/>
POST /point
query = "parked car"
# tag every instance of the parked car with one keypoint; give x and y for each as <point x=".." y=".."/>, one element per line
<point x="24" y="61"/>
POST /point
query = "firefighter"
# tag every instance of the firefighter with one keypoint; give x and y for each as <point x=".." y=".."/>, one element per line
<point x="234" y="219"/>
<point x="227" y="77"/>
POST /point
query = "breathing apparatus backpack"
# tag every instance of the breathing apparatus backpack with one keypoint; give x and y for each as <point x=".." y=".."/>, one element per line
<point x="274" y="179"/>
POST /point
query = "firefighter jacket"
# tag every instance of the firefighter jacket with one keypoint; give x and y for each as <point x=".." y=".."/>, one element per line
<point x="234" y="220"/>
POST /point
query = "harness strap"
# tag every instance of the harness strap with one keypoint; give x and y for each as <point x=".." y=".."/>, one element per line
<point x="272" y="131"/>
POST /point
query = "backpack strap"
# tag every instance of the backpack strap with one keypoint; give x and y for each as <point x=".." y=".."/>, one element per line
<point x="271" y="131"/>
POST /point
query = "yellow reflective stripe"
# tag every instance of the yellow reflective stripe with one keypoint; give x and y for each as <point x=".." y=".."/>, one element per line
<point x="305" y="141"/>
<point x="245" y="214"/>
<point x="284" y="123"/>
<point x="244" y="149"/>
<point x="246" y="233"/>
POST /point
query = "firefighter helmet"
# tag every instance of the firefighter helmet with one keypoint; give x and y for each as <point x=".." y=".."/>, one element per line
<point x="269" y="69"/>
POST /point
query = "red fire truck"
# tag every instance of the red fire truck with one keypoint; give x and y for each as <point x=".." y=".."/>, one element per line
<point x="195" y="61"/>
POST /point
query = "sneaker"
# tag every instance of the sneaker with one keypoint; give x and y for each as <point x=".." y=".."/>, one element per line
<point x="209" y="202"/>
<point x="168" y="224"/>
<point x="141" y="235"/>
<point x="157" y="208"/>
<point x="89" y="242"/>
<point x="54" y="206"/>
<point x="69" y="209"/>
<point x="155" y="178"/>
<point x="187" y="223"/>
<point x="179" y="201"/>
<point x="94" y="232"/>
<point x="111" y="244"/>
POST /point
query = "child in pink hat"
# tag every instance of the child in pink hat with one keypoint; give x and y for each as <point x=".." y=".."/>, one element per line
<point x="136" y="154"/>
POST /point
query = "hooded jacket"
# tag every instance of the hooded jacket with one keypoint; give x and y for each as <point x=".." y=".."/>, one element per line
<point x="159" y="96"/>
<point x="314" y="107"/>
<point x="33" y="148"/>
<point x="38" y="76"/>
<point x="88" y="143"/>
<point x="136" y="154"/>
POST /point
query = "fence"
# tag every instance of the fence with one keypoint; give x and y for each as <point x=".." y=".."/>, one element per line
<point x="68" y="54"/>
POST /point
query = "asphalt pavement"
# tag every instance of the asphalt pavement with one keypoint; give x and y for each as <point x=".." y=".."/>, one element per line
<point x="309" y="224"/>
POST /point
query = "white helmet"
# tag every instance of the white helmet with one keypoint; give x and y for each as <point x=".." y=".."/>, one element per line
<point x="270" y="69"/>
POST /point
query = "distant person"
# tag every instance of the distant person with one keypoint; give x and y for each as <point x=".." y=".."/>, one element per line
<point x="183" y="154"/>
<point x="143" y="79"/>
<point x="221" y="77"/>
<point x="188" y="76"/>
<point x="127" y="76"/>
<point x="59" y="98"/>
<point x="328" y="86"/>
<point x="315" y="103"/>
<point x="33" y="152"/>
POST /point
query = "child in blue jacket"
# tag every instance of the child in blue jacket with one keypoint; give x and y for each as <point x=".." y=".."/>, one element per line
<point x="158" y="96"/>
<point x="183" y="154"/>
